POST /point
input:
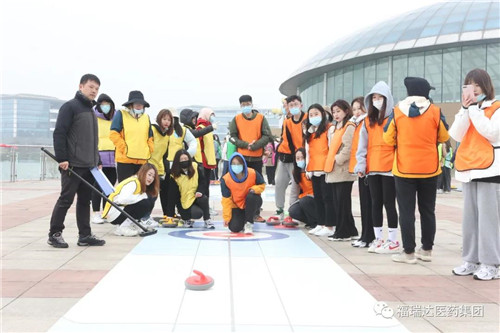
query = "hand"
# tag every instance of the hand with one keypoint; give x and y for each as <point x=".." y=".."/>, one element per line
<point x="226" y="223"/>
<point x="466" y="101"/>
<point x="361" y="174"/>
<point x="251" y="191"/>
<point x="214" y="125"/>
<point x="308" y="175"/>
<point x="99" y="166"/>
<point x="64" y="165"/>
<point x="198" y="195"/>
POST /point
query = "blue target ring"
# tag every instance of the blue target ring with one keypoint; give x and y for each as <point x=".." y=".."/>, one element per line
<point x="224" y="235"/>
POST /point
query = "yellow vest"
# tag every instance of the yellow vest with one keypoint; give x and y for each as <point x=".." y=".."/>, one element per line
<point x="208" y="149"/>
<point x="175" y="144"/>
<point x="136" y="135"/>
<point x="105" y="142"/>
<point x="188" y="187"/>
<point x="118" y="189"/>
<point x="161" y="145"/>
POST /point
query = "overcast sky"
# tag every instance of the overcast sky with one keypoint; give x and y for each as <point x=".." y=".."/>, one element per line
<point x="184" y="52"/>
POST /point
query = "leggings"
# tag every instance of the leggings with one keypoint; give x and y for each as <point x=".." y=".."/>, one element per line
<point x="383" y="194"/>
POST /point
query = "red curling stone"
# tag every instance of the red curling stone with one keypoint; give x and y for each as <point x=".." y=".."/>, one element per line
<point x="199" y="281"/>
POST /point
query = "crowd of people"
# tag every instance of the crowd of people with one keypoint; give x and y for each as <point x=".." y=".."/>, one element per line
<point x="399" y="153"/>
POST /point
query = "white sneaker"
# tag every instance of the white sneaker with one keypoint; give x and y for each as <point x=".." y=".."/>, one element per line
<point x="467" y="268"/>
<point x="97" y="219"/>
<point x="324" y="232"/>
<point x="150" y="224"/>
<point x="209" y="224"/>
<point x="388" y="247"/>
<point x="248" y="228"/>
<point x="317" y="228"/>
<point x="375" y="244"/>
<point x="487" y="272"/>
<point x="213" y="212"/>
<point x="404" y="257"/>
<point x="440" y="191"/>
<point x="127" y="230"/>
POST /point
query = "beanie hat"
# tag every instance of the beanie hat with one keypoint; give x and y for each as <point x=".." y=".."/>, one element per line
<point x="416" y="86"/>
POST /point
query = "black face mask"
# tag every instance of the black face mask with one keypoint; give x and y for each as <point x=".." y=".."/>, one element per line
<point x="184" y="164"/>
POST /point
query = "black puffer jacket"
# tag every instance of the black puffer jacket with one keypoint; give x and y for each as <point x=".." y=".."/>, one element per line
<point x="186" y="117"/>
<point x="76" y="135"/>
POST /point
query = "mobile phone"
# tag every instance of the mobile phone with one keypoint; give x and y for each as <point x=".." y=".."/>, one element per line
<point x="468" y="91"/>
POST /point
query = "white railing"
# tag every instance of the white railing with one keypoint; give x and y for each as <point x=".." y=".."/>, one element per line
<point x="26" y="162"/>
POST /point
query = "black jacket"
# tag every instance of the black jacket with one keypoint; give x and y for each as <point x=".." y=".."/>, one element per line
<point x="76" y="134"/>
<point x="186" y="117"/>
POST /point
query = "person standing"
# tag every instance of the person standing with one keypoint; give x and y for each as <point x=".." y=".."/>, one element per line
<point x="445" y="156"/>
<point x="205" y="153"/>
<point x="477" y="164"/>
<point x="218" y="156"/>
<point x="76" y="150"/>
<point x="104" y="111"/>
<point x="415" y="129"/>
<point x="291" y="140"/>
<point x="269" y="160"/>
<point x="132" y="135"/>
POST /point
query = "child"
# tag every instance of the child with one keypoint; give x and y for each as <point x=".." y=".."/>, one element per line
<point x="477" y="163"/>
<point x="241" y="188"/>
<point x="137" y="194"/>
<point x="316" y="141"/>
<point x="187" y="190"/>
<point x="269" y="160"/>
<point x="303" y="209"/>
<point x="337" y="171"/>
<point x="374" y="160"/>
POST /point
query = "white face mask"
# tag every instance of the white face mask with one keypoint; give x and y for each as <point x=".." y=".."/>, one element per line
<point x="378" y="104"/>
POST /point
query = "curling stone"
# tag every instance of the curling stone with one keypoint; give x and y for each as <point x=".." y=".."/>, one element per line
<point x="273" y="220"/>
<point x="289" y="222"/>
<point x="199" y="281"/>
<point x="168" y="222"/>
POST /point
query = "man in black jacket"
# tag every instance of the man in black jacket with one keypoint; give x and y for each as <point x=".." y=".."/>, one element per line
<point x="75" y="145"/>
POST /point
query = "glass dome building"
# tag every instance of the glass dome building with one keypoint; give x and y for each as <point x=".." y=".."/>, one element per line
<point x="441" y="43"/>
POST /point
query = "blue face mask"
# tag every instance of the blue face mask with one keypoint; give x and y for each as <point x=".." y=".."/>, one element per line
<point x="481" y="97"/>
<point x="237" y="168"/>
<point x="283" y="110"/>
<point x="138" y="112"/>
<point x="212" y="119"/>
<point x="315" y="121"/>
<point x="105" y="108"/>
<point x="301" y="164"/>
<point x="295" y="111"/>
<point x="247" y="109"/>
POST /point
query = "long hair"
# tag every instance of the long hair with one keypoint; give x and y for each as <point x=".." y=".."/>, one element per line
<point x="177" y="126"/>
<point x="161" y="115"/>
<point x="153" y="188"/>
<point x="321" y="126"/>
<point x="344" y="106"/>
<point x="483" y="80"/>
<point x="176" y="169"/>
<point x="376" y="116"/>
<point x="296" y="170"/>
<point x="361" y="101"/>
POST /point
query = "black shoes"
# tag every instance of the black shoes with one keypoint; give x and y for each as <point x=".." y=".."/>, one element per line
<point x="56" y="240"/>
<point x="90" y="240"/>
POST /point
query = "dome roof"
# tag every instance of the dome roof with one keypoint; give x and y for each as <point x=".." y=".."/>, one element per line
<point x="441" y="23"/>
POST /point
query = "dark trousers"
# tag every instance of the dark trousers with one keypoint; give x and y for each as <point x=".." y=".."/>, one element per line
<point x="383" y="194"/>
<point x="207" y="174"/>
<point x="164" y="194"/>
<point x="270" y="171"/>
<point x="137" y="210"/>
<point x="365" y="202"/>
<point x="256" y="165"/>
<point x="198" y="209"/>
<point x="172" y="189"/>
<point x="110" y="173"/>
<point x="125" y="170"/>
<point x="225" y="168"/>
<point x="71" y="185"/>
<point x="304" y="210"/>
<point x="323" y="197"/>
<point x="215" y="174"/>
<point x="444" y="180"/>
<point x="343" y="210"/>
<point x="239" y="216"/>
<point x="424" y="190"/>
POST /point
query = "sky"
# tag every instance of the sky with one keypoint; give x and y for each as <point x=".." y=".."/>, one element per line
<point x="189" y="52"/>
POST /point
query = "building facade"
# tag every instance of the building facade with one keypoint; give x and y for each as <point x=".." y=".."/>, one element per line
<point x="441" y="43"/>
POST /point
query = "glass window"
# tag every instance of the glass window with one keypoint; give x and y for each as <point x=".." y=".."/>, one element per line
<point x="433" y="67"/>
<point x="430" y="31"/>
<point x="399" y="72"/>
<point x="339" y="85"/>
<point x="493" y="23"/>
<point x="348" y="79"/>
<point x="383" y="70"/>
<point x="473" y="25"/>
<point x="330" y="86"/>
<point x="493" y="65"/>
<point x="357" y="84"/>
<point x="416" y="64"/>
<point x="452" y="82"/>
<point x="370" y="76"/>
<point x="473" y="57"/>
<point x="451" y="28"/>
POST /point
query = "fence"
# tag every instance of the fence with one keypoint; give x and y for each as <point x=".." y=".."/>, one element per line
<point x="26" y="162"/>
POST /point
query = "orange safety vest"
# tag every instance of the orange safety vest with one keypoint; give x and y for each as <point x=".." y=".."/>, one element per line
<point x="416" y="146"/>
<point x="475" y="151"/>
<point x="335" y="144"/>
<point x="294" y="131"/>
<point x="249" y="130"/>
<point x="306" y="187"/>
<point x="379" y="155"/>
<point x="354" y="148"/>
<point x="318" y="150"/>
<point x="239" y="191"/>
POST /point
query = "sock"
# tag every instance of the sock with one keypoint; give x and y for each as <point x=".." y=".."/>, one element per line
<point x="378" y="232"/>
<point x="393" y="234"/>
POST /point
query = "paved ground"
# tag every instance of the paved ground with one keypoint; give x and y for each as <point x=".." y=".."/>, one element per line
<point x="40" y="283"/>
